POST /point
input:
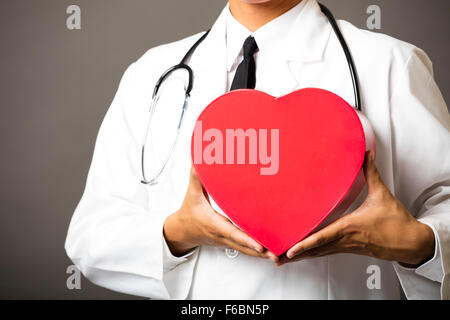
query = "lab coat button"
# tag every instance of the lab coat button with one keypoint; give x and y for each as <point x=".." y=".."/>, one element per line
<point x="231" y="253"/>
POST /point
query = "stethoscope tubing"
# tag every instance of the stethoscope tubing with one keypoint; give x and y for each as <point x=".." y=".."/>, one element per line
<point x="184" y="65"/>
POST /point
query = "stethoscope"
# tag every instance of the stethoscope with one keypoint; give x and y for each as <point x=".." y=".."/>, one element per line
<point x="183" y="66"/>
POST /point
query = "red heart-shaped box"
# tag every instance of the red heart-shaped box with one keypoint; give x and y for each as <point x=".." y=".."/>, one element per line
<point x="298" y="162"/>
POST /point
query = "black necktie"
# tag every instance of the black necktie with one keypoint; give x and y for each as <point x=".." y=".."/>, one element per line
<point x="245" y="77"/>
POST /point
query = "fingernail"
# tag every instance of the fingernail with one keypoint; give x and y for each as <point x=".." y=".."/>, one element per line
<point x="272" y="257"/>
<point x="291" y="255"/>
<point x="258" y="249"/>
<point x="371" y="155"/>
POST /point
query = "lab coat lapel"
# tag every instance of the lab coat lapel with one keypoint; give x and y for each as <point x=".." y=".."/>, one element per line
<point x="305" y="44"/>
<point x="209" y="66"/>
<point x="210" y="81"/>
<point x="208" y="63"/>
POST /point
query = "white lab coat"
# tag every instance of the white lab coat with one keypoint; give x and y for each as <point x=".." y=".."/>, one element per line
<point x="116" y="239"/>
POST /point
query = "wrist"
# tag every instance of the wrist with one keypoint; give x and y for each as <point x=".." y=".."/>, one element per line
<point x="174" y="231"/>
<point x="428" y="242"/>
<point x="424" y="246"/>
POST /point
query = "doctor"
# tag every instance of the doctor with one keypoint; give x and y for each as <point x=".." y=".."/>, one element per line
<point x="168" y="241"/>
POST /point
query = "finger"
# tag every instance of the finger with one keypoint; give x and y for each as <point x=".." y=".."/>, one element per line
<point x="229" y="231"/>
<point x="328" y="234"/>
<point x="371" y="173"/>
<point x="194" y="181"/>
<point x="272" y="256"/>
<point x="196" y="185"/>
<point x="328" y="249"/>
<point x="243" y="249"/>
<point x="282" y="260"/>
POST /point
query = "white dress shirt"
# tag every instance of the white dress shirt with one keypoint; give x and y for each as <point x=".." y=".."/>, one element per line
<point x="270" y="39"/>
<point x="116" y="239"/>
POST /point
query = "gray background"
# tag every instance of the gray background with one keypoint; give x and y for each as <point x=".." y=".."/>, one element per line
<point x="56" y="86"/>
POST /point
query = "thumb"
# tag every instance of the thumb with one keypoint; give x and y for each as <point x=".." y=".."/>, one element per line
<point x="195" y="184"/>
<point x="194" y="181"/>
<point x="371" y="173"/>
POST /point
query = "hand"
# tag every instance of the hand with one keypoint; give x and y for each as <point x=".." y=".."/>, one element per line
<point x="381" y="227"/>
<point x="196" y="223"/>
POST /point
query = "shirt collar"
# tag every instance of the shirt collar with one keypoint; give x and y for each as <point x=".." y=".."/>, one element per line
<point x="267" y="37"/>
